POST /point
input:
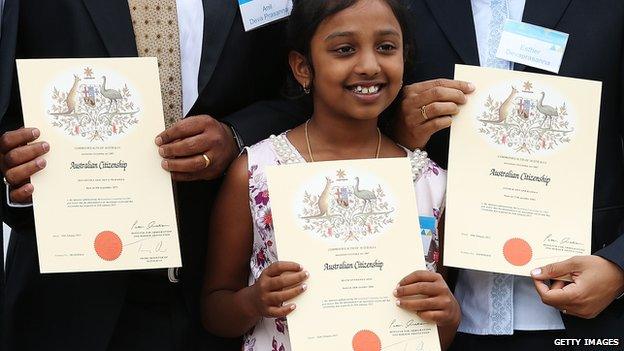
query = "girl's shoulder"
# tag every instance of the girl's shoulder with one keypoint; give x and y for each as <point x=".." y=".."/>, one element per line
<point x="275" y="149"/>
<point x="424" y="168"/>
<point x="261" y="146"/>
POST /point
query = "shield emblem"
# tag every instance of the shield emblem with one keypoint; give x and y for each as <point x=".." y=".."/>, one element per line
<point x="89" y="94"/>
<point x="342" y="196"/>
<point x="525" y="107"/>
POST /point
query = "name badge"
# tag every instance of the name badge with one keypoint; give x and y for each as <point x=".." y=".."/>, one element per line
<point x="258" y="13"/>
<point x="532" y="45"/>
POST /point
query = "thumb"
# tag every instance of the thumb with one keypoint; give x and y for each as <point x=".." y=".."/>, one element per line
<point x="554" y="270"/>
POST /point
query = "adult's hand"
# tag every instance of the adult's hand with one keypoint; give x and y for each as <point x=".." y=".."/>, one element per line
<point x="427" y="108"/>
<point x="19" y="160"/>
<point x="197" y="147"/>
<point x="596" y="283"/>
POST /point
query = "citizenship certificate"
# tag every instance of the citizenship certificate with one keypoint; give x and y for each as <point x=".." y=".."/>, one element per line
<point x="102" y="202"/>
<point x="521" y="171"/>
<point x="353" y="225"/>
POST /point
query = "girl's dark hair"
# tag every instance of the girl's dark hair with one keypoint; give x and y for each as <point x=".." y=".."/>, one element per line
<point x="307" y="15"/>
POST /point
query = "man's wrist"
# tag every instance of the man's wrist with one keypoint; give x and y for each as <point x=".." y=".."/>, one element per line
<point x="237" y="138"/>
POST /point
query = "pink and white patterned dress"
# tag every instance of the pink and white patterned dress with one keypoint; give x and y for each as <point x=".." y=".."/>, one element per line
<point x="271" y="334"/>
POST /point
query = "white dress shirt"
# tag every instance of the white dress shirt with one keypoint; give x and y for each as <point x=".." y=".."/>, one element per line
<point x="191" y="28"/>
<point x="484" y="310"/>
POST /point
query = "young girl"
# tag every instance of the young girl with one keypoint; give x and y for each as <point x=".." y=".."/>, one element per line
<point x="349" y="54"/>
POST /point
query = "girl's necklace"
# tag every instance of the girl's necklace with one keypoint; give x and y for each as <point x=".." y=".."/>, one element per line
<point x="307" y="137"/>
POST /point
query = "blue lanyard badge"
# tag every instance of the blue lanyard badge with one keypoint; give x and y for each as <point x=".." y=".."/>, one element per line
<point x="258" y="13"/>
<point x="532" y="45"/>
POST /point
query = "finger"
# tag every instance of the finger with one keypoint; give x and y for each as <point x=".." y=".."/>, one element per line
<point x="289" y="294"/>
<point x="423" y="304"/>
<point x="558" y="284"/>
<point x="557" y="298"/>
<point x="420" y="288"/>
<point x="20" y="174"/>
<point x="433" y="316"/>
<point x="186" y="177"/>
<point x="439" y="94"/>
<point x="420" y="87"/>
<point x="280" y="267"/>
<point x="438" y="109"/>
<point x="182" y="129"/>
<point x="196" y="144"/>
<point x="23" y="194"/>
<point x="186" y="165"/>
<point x="278" y="312"/>
<point x="287" y="280"/>
<point x="420" y="276"/>
<point x="15" y="138"/>
<point x="542" y="286"/>
<point x="435" y="125"/>
<point x="555" y="270"/>
<point x="26" y="153"/>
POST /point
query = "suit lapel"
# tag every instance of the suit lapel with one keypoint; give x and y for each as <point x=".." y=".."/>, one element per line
<point x="112" y="19"/>
<point x="218" y="18"/>
<point x="543" y="13"/>
<point x="8" y="40"/>
<point x="455" y="19"/>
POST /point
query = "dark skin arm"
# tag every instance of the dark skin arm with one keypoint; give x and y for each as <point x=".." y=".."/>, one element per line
<point x="230" y="307"/>
<point x="183" y="144"/>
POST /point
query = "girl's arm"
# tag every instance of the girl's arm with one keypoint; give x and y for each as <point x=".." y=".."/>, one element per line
<point x="229" y="307"/>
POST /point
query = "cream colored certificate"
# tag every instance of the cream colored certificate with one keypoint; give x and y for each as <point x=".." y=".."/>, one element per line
<point x="354" y="226"/>
<point x="521" y="171"/>
<point x="102" y="202"/>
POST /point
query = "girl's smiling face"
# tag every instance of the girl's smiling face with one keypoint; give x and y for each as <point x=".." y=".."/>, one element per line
<point x="357" y="60"/>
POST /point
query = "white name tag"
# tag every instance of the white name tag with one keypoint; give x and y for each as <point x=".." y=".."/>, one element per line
<point x="258" y="13"/>
<point x="532" y="45"/>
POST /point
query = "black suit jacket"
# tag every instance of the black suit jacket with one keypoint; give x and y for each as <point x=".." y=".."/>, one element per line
<point x="79" y="311"/>
<point x="445" y="35"/>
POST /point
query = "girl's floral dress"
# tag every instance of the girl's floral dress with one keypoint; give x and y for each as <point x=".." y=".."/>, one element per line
<point x="271" y="334"/>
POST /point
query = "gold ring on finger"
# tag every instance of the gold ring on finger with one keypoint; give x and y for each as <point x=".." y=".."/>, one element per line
<point x="207" y="160"/>
<point x="423" y="110"/>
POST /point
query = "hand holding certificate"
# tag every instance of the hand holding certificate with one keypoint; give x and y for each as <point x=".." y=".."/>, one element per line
<point x="521" y="171"/>
<point x="353" y="226"/>
<point x="102" y="202"/>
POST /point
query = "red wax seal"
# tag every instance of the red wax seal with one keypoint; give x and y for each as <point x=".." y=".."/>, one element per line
<point x="366" y="340"/>
<point x="108" y="246"/>
<point x="517" y="252"/>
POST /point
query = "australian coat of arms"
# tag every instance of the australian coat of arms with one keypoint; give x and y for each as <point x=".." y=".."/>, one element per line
<point x="91" y="109"/>
<point x="526" y="121"/>
<point x="346" y="209"/>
